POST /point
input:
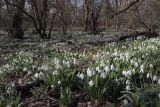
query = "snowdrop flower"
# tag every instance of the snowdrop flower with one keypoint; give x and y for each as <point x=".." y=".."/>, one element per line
<point x="55" y="73"/>
<point x="102" y="64"/>
<point x="124" y="73"/>
<point x="148" y="75"/>
<point x="142" y="68"/>
<point x="112" y="67"/>
<point x="8" y="106"/>
<point x="58" y="66"/>
<point x="127" y="73"/>
<point x="75" y="62"/>
<point x="6" y="66"/>
<point x="68" y="64"/>
<point x="127" y="82"/>
<point x="155" y="78"/>
<point x="159" y="95"/>
<point x="24" y="69"/>
<point x="29" y="73"/>
<point x="59" y="82"/>
<point x="132" y="61"/>
<point x="13" y="85"/>
<point x="98" y="69"/>
<point x="44" y="67"/>
<point x="103" y="75"/>
<point x="159" y="82"/>
<point x="20" y="81"/>
<point x="90" y="72"/>
<point x="33" y="66"/>
<point x="9" y="90"/>
<point x="128" y="88"/>
<point x="41" y="74"/>
<point x="52" y="86"/>
<point x="56" y="60"/>
<point x="151" y="65"/>
<point x="141" y="71"/>
<point x="135" y="64"/>
<point x="125" y="101"/>
<point x="116" y="52"/>
<point x="127" y="55"/>
<point x="107" y="69"/>
<point x="91" y="83"/>
<point x="36" y="75"/>
<point x="81" y="76"/>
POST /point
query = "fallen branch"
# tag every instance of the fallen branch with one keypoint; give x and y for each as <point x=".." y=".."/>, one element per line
<point x="132" y="36"/>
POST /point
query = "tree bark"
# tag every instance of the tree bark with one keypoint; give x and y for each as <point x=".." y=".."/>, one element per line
<point x="16" y="30"/>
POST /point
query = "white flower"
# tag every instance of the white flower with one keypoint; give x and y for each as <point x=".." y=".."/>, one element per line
<point x="90" y="72"/>
<point x="125" y="102"/>
<point x="81" y="76"/>
<point x="52" y="86"/>
<point x="107" y="69"/>
<point x="41" y="74"/>
<point x="8" y="106"/>
<point x="128" y="88"/>
<point x="127" y="82"/>
<point x="91" y="83"/>
<point x="102" y="63"/>
<point x="135" y="64"/>
<point x="159" y="82"/>
<point x="58" y="66"/>
<point x="20" y="81"/>
<point x="132" y="61"/>
<point x="151" y="65"/>
<point x="159" y="95"/>
<point x="141" y="71"/>
<point x="155" y="78"/>
<point x="29" y="73"/>
<point x="55" y="72"/>
<point x="75" y="62"/>
<point x="56" y="60"/>
<point x="98" y="69"/>
<point x="127" y="73"/>
<point x="24" y="69"/>
<point x="148" y="75"/>
<point x="7" y="66"/>
<point x="127" y="56"/>
<point x="103" y="75"/>
<point x="13" y="85"/>
<point x="124" y="73"/>
<point x="9" y="90"/>
<point x="115" y="53"/>
<point x="142" y="67"/>
<point x="44" y="67"/>
<point x="59" y="82"/>
<point x="36" y="75"/>
<point x="112" y="67"/>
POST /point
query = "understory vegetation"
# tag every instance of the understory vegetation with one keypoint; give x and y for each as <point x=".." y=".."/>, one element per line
<point x="117" y="74"/>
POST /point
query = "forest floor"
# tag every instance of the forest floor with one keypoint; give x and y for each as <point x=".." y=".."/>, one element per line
<point x="52" y="73"/>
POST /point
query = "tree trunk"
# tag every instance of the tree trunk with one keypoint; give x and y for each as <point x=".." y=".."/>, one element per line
<point x="88" y="12"/>
<point x="16" y="30"/>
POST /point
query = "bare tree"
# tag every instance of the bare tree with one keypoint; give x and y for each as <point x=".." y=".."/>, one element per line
<point x="92" y="15"/>
<point x="16" y="30"/>
<point x="40" y="12"/>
